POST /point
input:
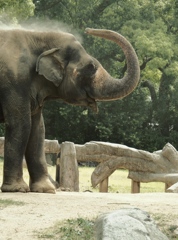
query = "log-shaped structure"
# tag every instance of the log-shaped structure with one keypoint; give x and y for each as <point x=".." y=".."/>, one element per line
<point x="50" y="146"/>
<point x="143" y="166"/>
<point x="69" y="174"/>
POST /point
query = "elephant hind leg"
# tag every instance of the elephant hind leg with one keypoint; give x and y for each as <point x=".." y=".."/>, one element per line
<point x="1" y="114"/>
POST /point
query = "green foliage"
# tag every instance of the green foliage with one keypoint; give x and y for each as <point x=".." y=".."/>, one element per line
<point x="12" y="11"/>
<point x="77" y="229"/>
<point x="9" y="202"/>
<point x="138" y="120"/>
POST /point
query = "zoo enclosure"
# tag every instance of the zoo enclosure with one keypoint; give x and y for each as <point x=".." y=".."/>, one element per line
<point x="143" y="166"/>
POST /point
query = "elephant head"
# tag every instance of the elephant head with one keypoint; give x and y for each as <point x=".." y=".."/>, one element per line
<point x="80" y="78"/>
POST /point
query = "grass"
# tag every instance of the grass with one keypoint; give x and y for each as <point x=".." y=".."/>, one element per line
<point x="162" y="220"/>
<point x="9" y="202"/>
<point x="118" y="181"/>
<point x="71" y="229"/>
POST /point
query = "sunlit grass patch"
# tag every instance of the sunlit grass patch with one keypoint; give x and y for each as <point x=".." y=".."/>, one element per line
<point x="10" y="202"/>
<point x="164" y="223"/>
<point x="71" y="229"/>
<point x="118" y="182"/>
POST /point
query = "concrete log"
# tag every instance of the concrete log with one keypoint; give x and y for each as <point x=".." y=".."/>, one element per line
<point x="104" y="185"/>
<point x="1" y="146"/>
<point x="135" y="187"/>
<point x="173" y="188"/>
<point x="168" y="178"/>
<point x="51" y="146"/>
<point x="69" y="174"/>
<point x="158" y="166"/>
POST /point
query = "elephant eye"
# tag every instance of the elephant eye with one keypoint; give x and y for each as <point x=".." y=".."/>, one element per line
<point x="91" y="68"/>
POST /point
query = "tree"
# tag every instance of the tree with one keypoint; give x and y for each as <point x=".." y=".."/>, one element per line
<point x="13" y="11"/>
<point x="139" y="120"/>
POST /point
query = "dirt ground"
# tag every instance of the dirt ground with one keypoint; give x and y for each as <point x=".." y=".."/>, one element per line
<point x="41" y="211"/>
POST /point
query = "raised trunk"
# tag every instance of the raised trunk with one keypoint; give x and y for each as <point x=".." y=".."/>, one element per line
<point x="107" y="88"/>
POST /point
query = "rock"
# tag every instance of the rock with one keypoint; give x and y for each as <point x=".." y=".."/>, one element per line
<point x="176" y="232"/>
<point x="127" y="224"/>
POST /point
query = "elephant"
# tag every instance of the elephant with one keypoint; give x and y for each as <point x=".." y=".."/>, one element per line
<point x="35" y="67"/>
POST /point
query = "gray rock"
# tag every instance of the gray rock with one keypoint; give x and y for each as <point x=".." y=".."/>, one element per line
<point x="127" y="224"/>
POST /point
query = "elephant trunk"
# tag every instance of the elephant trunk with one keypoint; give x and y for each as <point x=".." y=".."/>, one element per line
<point x="105" y="87"/>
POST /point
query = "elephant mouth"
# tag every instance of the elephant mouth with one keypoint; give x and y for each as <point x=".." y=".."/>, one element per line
<point x="92" y="104"/>
<point x="86" y="101"/>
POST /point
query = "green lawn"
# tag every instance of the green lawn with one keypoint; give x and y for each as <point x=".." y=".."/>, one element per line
<point x="118" y="181"/>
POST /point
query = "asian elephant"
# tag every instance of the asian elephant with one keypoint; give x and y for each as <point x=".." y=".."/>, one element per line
<point x="36" y="67"/>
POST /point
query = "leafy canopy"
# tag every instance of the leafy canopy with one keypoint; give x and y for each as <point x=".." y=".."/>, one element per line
<point x="13" y="11"/>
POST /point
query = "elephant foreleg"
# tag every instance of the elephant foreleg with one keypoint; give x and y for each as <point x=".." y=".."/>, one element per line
<point x="35" y="157"/>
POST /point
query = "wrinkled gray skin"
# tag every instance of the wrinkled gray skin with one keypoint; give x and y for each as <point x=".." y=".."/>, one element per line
<point x="36" y="67"/>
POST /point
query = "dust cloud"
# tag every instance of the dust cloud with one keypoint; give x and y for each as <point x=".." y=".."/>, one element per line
<point x="43" y="26"/>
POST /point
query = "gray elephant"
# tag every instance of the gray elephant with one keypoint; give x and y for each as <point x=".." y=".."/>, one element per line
<point x="36" y="67"/>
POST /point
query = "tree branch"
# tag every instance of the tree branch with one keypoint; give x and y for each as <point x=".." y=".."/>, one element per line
<point x="150" y="86"/>
<point x="49" y="5"/>
<point x="143" y="65"/>
<point x="98" y="10"/>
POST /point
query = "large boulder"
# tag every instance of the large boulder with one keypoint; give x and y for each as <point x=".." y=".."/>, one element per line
<point x="127" y="224"/>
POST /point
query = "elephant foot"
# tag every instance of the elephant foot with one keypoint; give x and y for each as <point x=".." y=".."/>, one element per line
<point x="15" y="186"/>
<point x="42" y="186"/>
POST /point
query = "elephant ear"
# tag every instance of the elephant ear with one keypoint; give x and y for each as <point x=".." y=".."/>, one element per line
<point x="50" y="65"/>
